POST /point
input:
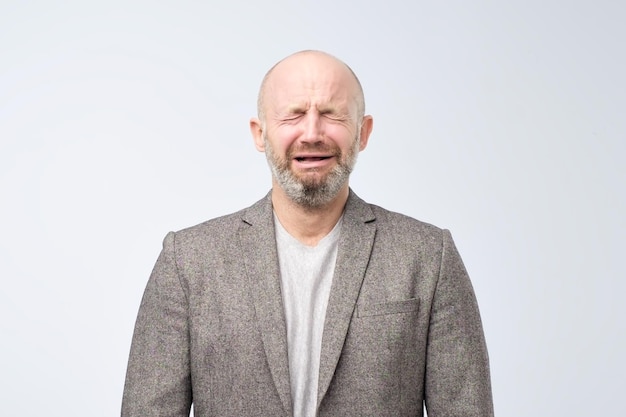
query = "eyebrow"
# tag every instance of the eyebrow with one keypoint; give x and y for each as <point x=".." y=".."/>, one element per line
<point x="297" y="108"/>
<point x="327" y="108"/>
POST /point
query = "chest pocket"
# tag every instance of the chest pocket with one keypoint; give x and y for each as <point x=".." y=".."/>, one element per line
<point x="391" y="307"/>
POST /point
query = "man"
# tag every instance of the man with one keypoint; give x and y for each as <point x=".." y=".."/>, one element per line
<point x="311" y="301"/>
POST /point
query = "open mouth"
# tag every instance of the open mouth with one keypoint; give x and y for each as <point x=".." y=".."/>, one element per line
<point x="311" y="158"/>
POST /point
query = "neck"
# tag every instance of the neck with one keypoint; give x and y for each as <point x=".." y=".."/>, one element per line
<point x="308" y="225"/>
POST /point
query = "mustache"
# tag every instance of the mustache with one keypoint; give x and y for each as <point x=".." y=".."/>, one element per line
<point x="313" y="147"/>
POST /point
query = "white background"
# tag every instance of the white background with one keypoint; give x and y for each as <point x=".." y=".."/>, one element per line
<point x="502" y="121"/>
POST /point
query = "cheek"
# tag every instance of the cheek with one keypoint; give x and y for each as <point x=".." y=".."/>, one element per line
<point x="281" y="139"/>
<point x="341" y="135"/>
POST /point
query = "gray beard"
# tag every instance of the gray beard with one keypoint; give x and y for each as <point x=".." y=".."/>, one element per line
<point x="311" y="194"/>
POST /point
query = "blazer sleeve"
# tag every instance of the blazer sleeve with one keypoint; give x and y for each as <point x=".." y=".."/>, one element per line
<point x="158" y="381"/>
<point x="457" y="365"/>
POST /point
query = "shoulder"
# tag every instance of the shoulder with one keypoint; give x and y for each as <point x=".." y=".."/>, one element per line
<point x="391" y="223"/>
<point x="220" y="230"/>
<point x="391" y="219"/>
<point x="398" y="230"/>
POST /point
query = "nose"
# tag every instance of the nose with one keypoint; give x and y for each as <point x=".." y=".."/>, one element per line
<point x="312" y="127"/>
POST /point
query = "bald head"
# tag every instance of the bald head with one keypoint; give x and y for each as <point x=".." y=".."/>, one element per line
<point x="308" y="61"/>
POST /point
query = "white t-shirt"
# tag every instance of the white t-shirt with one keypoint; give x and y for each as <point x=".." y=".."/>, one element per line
<point x="306" y="274"/>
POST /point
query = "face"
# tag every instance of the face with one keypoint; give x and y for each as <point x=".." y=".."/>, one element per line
<point x="311" y="133"/>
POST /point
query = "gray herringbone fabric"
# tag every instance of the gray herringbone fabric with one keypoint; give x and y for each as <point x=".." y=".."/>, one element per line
<point x="402" y="324"/>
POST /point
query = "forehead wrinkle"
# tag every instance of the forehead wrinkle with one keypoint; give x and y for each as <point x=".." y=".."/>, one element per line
<point x="297" y="107"/>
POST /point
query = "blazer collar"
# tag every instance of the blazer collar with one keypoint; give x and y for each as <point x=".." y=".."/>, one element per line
<point x="355" y="246"/>
<point x="261" y="261"/>
<point x="260" y="258"/>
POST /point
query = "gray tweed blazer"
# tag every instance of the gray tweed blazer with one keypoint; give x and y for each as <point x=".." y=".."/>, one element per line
<point x="402" y="326"/>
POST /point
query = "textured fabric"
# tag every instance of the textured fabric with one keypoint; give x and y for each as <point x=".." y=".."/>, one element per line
<point x="402" y="325"/>
<point x="306" y="274"/>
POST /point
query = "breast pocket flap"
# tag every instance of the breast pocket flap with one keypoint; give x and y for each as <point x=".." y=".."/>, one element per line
<point x="391" y="307"/>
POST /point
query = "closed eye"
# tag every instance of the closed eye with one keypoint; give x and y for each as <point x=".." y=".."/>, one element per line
<point x="291" y="117"/>
<point x="333" y="113"/>
<point x="334" y="116"/>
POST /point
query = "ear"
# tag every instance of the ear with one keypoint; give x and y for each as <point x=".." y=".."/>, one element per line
<point x="256" y="128"/>
<point x="366" y="130"/>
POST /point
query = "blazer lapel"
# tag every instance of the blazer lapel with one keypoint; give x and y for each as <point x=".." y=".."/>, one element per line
<point x="261" y="260"/>
<point x="355" y="246"/>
